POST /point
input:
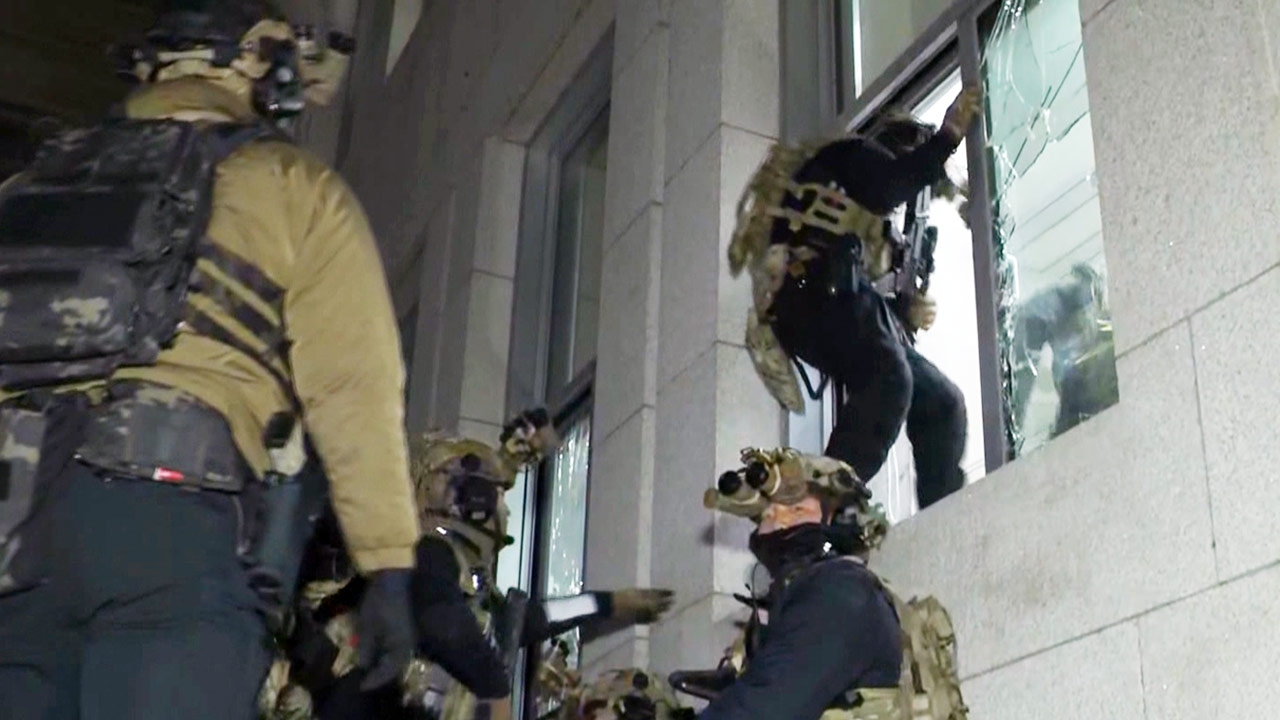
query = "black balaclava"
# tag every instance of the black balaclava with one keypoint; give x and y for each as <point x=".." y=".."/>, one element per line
<point x="783" y="550"/>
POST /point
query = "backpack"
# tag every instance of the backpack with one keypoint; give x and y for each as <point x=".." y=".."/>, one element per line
<point x="98" y="241"/>
<point x="930" y="678"/>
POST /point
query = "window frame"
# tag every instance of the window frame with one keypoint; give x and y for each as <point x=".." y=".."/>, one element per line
<point x="585" y="101"/>
<point x="839" y="109"/>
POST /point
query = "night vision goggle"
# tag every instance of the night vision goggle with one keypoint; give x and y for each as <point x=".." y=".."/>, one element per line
<point x="298" y="67"/>
<point x="785" y="476"/>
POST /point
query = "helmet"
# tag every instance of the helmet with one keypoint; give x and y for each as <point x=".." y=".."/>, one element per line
<point x="632" y="694"/>
<point x="459" y="480"/>
<point x="899" y="132"/>
<point x="787" y="476"/>
<point x="222" y="39"/>
<point x="219" y="25"/>
<point x="458" y="477"/>
<point x="528" y="437"/>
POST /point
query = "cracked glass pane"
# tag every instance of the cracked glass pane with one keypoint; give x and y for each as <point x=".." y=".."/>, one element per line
<point x="1055" y="324"/>
<point x="567" y="520"/>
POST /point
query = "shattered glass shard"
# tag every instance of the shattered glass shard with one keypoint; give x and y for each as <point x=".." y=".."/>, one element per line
<point x="1054" y="323"/>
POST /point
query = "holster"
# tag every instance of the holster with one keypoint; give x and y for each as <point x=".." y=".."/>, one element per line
<point x="289" y="503"/>
<point x="835" y="270"/>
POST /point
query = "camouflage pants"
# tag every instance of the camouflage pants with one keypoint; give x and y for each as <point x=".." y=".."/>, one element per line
<point x="145" y="613"/>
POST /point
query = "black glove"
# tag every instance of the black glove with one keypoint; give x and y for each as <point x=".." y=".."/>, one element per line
<point x="386" y="628"/>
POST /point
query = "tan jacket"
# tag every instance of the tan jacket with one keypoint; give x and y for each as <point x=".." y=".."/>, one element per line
<point x="295" y="220"/>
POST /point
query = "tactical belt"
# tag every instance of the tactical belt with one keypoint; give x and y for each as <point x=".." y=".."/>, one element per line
<point x="158" y="433"/>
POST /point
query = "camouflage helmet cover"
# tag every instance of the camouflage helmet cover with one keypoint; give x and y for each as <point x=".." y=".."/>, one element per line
<point x="218" y="39"/>
<point x="631" y="694"/>
<point x="439" y="460"/>
<point x="787" y="476"/>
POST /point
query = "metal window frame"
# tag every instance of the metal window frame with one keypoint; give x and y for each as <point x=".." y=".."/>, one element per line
<point x="577" y="110"/>
<point x="834" y="108"/>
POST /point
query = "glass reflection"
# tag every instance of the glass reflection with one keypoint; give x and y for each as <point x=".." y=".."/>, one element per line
<point x="1055" y="324"/>
<point x="569" y="473"/>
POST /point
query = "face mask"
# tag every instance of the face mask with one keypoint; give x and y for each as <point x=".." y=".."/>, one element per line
<point x="476" y="499"/>
<point x="781" y="548"/>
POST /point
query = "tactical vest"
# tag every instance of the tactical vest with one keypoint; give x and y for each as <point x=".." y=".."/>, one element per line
<point x="475" y="578"/>
<point x="772" y="197"/>
<point x="929" y="684"/>
<point x="103" y="255"/>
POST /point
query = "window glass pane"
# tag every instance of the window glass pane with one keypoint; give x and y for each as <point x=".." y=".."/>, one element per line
<point x="579" y="247"/>
<point x="883" y="29"/>
<point x="513" y="570"/>
<point x="566" y="515"/>
<point x="1055" y="325"/>
<point x="590" y="250"/>
<point x="513" y="566"/>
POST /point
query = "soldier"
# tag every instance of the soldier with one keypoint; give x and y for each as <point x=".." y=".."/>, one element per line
<point x="836" y="286"/>
<point x="467" y="632"/>
<point x="829" y="639"/>
<point x="1071" y="318"/>
<point x="180" y="289"/>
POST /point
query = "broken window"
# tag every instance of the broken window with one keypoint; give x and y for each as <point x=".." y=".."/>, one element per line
<point x="1056" y="344"/>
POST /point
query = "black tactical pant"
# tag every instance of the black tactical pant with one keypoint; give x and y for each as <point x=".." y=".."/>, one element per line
<point x="146" y="611"/>
<point x="881" y="381"/>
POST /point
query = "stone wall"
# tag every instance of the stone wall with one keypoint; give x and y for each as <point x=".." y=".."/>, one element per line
<point x="1125" y="570"/>
<point x="1128" y="569"/>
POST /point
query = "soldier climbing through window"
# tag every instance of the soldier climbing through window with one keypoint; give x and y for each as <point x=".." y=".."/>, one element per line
<point x="837" y="286"/>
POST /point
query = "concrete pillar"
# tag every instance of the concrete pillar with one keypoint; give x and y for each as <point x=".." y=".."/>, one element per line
<point x="722" y="114"/>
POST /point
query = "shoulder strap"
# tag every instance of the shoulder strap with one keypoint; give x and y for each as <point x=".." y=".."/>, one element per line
<point x="225" y="138"/>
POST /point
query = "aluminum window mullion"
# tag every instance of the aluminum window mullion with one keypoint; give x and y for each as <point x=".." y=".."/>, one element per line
<point x="986" y="282"/>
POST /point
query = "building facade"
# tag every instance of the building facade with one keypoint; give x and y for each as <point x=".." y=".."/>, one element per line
<point x="554" y="184"/>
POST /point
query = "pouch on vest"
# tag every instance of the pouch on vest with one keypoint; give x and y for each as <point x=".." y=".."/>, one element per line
<point x="163" y="434"/>
<point x="36" y="443"/>
<point x="21" y="438"/>
<point x="97" y="246"/>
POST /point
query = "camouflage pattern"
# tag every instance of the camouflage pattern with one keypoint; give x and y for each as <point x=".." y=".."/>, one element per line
<point x="624" y="694"/>
<point x="787" y="476"/>
<point x="772" y="363"/>
<point x="930" y="674"/>
<point x="438" y="459"/>
<point x="873" y="704"/>
<point x="827" y="209"/>
<point x="323" y="68"/>
<point x="146" y="430"/>
<point x="98" y="289"/>
<point x="280" y="699"/>
<point x="21" y="437"/>
<point x="929" y="685"/>
<point x="435" y="459"/>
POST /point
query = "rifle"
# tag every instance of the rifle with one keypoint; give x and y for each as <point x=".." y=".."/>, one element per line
<point x="705" y="684"/>
<point x="506" y="626"/>
<point x="914" y="258"/>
